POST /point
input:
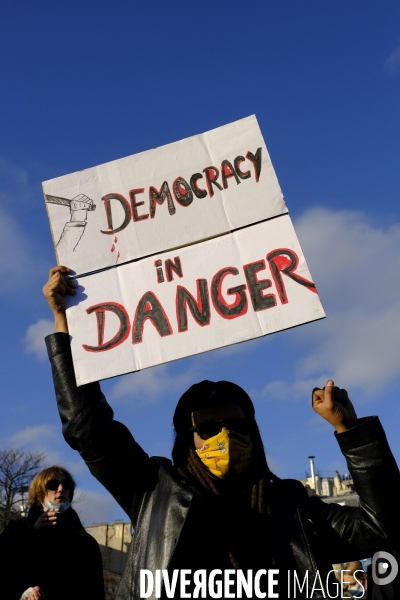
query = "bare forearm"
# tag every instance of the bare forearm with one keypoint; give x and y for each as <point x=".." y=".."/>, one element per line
<point x="60" y="323"/>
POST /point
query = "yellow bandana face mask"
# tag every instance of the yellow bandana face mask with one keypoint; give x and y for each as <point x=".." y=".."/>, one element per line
<point x="225" y="453"/>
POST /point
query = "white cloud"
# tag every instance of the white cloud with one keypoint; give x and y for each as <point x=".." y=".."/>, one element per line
<point x="355" y="265"/>
<point x="31" y="435"/>
<point x="33" y="341"/>
<point x="46" y="438"/>
<point x="352" y="260"/>
<point x="93" y="507"/>
<point x="362" y="349"/>
<point x="392" y="63"/>
<point x="43" y="439"/>
<point x="150" y="385"/>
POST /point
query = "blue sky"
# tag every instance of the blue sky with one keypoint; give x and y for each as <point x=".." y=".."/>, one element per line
<point x="86" y="83"/>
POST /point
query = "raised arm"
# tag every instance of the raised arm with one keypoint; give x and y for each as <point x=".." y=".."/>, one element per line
<point x="372" y="465"/>
<point x="88" y="426"/>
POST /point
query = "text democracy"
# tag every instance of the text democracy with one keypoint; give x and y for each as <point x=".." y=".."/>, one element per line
<point x="183" y="191"/>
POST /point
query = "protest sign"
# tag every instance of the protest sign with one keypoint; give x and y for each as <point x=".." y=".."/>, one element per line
<point x="226" y="290"/>
<point x="165" y="198"/>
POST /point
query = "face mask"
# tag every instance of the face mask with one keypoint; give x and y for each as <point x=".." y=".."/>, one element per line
<point x="225" y="453"/>
<point x="356" y="592"/>
<point x="59" y="508"/>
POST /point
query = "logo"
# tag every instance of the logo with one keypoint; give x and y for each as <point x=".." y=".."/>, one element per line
<point x="384" y="568"/>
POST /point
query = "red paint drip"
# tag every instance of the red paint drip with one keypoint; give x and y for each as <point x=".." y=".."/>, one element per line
<point x="115" y="239"/>
<point x="112" y="248"/>
<point x="118" y="255"/>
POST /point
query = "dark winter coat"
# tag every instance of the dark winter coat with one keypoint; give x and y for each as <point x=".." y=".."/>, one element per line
<point x="63" y="560"/>
<point x="312" y="535"/>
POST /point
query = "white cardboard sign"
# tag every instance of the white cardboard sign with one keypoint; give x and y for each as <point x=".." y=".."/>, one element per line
<point x="165" y="198"/>
<point x="226" y="290"/>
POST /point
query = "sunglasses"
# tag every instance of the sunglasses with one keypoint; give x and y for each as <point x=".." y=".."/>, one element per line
<point x="209" y="429"/>
<point x="53" y="484"/>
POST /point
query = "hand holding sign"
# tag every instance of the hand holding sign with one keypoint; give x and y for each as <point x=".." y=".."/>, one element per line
<point x="334" y="405"/>
<point x="55" y="290"/>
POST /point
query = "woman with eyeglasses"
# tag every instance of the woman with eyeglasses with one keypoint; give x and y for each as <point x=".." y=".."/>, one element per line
<point x="49" y="554"/>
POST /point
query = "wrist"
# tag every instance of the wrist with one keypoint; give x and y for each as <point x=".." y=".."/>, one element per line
<point x="342" y="427"/>
<point x="60" y="322"/>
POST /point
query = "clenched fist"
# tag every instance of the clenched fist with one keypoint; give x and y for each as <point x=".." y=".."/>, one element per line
<point x="334" y="405"/>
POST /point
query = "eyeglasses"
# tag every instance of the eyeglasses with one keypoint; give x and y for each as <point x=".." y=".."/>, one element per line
<point x="53" y="484"/>
<point x="209" y="429"/>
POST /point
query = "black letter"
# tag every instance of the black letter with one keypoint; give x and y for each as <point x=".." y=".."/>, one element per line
<point x="228" y="311"/>
<point x="227" y="171"/>
<point x="173" y="266"/>
<point x="256" y="160"/>
<point x="212" y="175"/>
<point x="149" y="307"/>
<point x="193" y="184"/>
<point x="122" y="333"/>
<point x="236" y="162"/>
<point x="159" y="197"/>
<point x="256" y="286"/>
<point x="279" y="263"/>
<point x="136" y="216"/>
<point x="160" y="274"/>
<point x="185" y="198"/>
<point x="107" y="205"/>
<point x="199" y="308"/>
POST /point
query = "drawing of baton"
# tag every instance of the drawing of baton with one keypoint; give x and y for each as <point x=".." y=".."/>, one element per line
<point x="75" y="228"/>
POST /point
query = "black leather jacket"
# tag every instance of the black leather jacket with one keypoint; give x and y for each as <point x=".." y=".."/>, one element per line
<point x="312" y="534"/>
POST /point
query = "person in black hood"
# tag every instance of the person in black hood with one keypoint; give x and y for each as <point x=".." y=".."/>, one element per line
<point x="49" y="554"/>
<point x="216" y="509"/>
